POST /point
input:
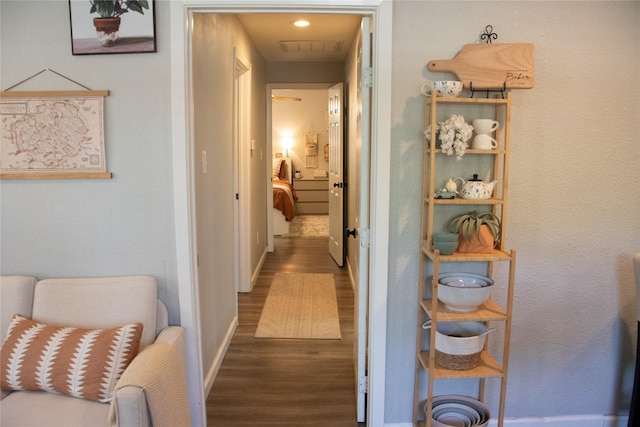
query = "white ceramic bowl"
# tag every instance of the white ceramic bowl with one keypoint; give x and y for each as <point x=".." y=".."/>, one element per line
<point x="464" y="279"/>
<point x="458" y="338"/>
<point x="463" y="292"/>
<point x="463" y="299"/>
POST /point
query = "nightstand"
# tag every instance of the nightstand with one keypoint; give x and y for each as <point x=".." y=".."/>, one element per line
<point x="313" y="195"/>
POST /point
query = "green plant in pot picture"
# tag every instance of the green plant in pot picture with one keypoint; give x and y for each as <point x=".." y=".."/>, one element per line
<point x="479" y="232"/>
<point x="109" y="11"/>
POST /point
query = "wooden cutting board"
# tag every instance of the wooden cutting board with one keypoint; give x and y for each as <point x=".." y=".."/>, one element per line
<point x="490" y="66"/>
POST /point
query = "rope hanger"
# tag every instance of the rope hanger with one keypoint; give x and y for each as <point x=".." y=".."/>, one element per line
<point x="52" y="71"/>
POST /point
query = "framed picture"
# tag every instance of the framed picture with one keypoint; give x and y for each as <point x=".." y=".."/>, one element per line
<point x="108" y="26"/>
<point x="66" y="143"/>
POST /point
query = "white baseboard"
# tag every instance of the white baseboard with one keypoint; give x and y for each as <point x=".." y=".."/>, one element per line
<point x="350" y="271"/>
<point x="564" y="421"/>
<point x="256" y="271"/>
<point x="217" y="361"/>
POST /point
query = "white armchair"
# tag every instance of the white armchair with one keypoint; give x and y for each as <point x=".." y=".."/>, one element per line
<point x="151" y="390"/>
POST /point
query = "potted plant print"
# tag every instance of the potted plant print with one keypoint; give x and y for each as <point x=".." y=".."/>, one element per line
<point x="109" y="11"/>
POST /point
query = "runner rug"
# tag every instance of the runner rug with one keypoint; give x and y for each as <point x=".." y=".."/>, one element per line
<point x="309" y="226"/>
<point x="300" y="305"/>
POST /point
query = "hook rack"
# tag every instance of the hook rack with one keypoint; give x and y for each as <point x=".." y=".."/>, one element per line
<point x="501" y="91"/>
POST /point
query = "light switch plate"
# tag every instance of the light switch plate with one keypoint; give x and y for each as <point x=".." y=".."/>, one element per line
<point x="204" y="162"/>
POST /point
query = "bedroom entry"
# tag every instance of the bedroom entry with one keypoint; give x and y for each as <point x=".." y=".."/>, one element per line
<point x="299" y="129"/>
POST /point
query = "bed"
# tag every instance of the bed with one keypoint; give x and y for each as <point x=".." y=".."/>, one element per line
<point x="284" y="196"/>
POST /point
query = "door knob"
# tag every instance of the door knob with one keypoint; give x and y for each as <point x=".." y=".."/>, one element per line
<point x="352" y="233"/>
<point x="337" y="184"/>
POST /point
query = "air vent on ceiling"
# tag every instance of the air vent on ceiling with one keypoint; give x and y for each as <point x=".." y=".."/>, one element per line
<point x="310" y="45"/>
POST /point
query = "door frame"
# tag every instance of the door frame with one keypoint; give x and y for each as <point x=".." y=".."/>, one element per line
<point x="242" y="178"/>
<point x="181" y="14"/>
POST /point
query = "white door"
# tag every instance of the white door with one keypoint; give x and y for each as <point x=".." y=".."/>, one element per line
<point x="336" y="173"/>
<point x="363" y="140"/>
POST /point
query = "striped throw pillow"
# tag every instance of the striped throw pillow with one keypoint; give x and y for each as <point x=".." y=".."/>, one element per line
<point x="84" y="363"/>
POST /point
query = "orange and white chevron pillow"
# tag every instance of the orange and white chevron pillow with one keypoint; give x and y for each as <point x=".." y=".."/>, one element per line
<point x="84" y="363"/>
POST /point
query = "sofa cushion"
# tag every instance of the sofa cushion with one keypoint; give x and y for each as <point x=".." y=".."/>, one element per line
<point x="40" y="409"/>
<point x="84" y="363"/>
<point x="17" y="297"/>
<point x="98" y="302"/>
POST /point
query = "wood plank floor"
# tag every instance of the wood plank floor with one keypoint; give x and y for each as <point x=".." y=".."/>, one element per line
<point x="287" y="382"/>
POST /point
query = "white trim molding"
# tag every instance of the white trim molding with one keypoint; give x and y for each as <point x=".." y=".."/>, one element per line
<point x="181" y="21"/>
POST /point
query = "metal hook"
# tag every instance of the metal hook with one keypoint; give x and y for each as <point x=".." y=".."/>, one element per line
<point x="488" y="34"/>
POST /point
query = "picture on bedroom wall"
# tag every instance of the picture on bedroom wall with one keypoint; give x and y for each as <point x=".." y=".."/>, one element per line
<point x="112" y="26"/>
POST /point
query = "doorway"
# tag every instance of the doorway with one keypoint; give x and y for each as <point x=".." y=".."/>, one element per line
<point x="192" y="295"/>
<point x="296" y="110"/>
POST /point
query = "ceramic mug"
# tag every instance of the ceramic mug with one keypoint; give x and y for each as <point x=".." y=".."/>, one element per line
<point x="485" y="126"/>
<point x="442" y="87"/>
<point x="484" y="142"/>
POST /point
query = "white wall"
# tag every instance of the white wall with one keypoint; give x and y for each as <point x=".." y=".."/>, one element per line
<point x="121" y="226"/>
<point x="291" y="121"/>
<point x="574" y="212"/>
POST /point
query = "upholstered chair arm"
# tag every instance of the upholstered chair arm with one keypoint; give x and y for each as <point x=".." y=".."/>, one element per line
<point x="131" y="404"/>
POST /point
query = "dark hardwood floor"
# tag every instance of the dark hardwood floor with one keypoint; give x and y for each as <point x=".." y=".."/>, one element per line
<point x="287" y="382"/>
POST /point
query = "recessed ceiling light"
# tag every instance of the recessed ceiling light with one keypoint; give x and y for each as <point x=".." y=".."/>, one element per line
<point x="300" y="23"/>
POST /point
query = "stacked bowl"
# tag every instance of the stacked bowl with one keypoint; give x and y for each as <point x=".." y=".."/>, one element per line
<point x="458" y="411"/>
<point x="463" y="292"/>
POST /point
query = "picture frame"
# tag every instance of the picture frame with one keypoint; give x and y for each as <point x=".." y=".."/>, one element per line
<point x="133" y="31"/>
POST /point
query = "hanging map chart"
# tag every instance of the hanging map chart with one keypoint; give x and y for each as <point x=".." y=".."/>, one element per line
<point x="52" y="135"/>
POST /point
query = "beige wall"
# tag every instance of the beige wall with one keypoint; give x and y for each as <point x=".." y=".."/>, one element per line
<point x="292" y="120"/>
<point x="215" y="36"/>
<point x="305" y="72"/>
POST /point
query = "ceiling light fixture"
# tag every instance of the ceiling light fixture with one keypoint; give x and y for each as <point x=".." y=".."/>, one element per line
<point x="300" y="23"/>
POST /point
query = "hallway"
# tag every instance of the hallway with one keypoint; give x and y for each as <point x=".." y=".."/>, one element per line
<point x="285" y="382"/>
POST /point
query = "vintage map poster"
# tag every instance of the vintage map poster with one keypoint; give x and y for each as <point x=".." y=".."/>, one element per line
<point x="57" y="133"/>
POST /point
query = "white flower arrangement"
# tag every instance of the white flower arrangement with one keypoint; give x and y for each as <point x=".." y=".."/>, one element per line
<point x="453" y="135"/>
